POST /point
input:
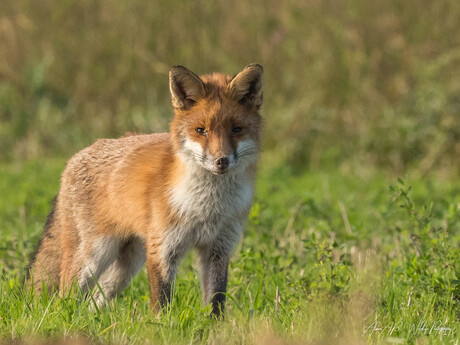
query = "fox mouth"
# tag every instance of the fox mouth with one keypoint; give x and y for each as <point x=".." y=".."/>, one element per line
<point x="219" y="171"/>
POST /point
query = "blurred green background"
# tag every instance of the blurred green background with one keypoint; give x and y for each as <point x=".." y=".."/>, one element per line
<point x="348" y="83"/>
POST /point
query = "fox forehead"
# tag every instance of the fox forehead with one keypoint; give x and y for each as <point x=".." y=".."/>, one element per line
<point x="217" y="107"/>
<point x="215" y="114"/>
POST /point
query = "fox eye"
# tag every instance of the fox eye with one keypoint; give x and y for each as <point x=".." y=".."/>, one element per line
<point x="237" y="129"/>
<point x="201" y="131"/>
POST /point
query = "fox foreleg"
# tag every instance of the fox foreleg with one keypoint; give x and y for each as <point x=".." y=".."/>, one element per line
<point x="214" y="260"/>
<point x="162" y="260"/>
<point x="214" y="269"/>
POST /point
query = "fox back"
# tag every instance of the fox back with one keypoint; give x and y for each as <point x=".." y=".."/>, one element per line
<point x="153" y="197"/>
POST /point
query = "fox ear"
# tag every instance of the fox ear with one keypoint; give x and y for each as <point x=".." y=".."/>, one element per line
<point x="247" y="86"/>
<point x="185" y="86"/>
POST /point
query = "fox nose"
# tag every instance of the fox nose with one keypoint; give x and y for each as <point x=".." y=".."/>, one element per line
<point x="222" y="163"/>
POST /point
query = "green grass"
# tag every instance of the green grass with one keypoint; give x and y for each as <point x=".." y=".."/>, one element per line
<point x="347" y="253"/>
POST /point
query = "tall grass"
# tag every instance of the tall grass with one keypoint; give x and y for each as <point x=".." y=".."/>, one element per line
<point x="368" y="82"/>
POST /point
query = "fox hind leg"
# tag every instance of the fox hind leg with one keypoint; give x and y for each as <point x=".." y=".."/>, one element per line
<point x="131" y="257"/>
<point x="88" y="262"/>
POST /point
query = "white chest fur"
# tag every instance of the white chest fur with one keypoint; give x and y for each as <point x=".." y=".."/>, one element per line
<point x="208" y="205"/>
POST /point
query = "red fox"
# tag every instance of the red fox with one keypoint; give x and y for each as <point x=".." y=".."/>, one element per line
<point x="153" y="197"/>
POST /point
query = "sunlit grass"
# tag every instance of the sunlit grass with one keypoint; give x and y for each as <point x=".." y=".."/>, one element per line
<point x="326" y="258"/>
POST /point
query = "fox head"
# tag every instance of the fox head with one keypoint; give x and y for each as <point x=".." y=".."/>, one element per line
<point x="217" y="123"/>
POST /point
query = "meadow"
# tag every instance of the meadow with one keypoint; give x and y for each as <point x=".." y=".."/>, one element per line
<point x="326" y="258"/>
<point x="354" y="236"/>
